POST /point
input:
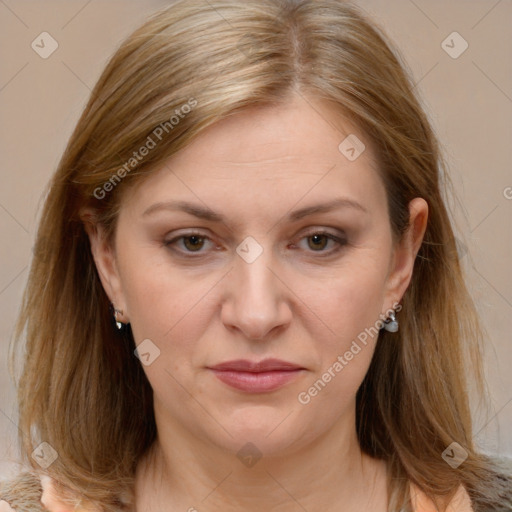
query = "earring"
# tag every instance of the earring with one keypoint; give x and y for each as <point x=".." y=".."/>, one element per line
<point x="117" y="312"/>
<point x="391" y="324"/>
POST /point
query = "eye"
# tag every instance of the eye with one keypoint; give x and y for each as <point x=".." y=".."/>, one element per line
<point x="189" y="242"/>
<point x="318" y="241"/>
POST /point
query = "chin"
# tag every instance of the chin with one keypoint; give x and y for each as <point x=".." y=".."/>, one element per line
<point x="277" y="434"/>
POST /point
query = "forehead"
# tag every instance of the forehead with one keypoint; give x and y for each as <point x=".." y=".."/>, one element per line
<point x="254" y="137"/>
<point x="289" y="153"/>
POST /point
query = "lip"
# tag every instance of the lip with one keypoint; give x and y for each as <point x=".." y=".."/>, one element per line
<point x="256" y="377"/>
<point x="266" y="365"/>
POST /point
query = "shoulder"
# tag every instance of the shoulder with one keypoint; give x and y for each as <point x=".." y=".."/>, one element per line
<point x="459" y="503"/>
<point x="22" y="493"/>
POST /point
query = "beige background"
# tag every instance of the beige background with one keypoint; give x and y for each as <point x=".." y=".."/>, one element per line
<point x="469" y="100"/>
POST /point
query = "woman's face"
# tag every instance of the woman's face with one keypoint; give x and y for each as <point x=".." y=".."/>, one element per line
<point x="262" y="239"/>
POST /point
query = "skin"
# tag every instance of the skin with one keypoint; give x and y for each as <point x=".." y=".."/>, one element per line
<point x="303" y="300"/>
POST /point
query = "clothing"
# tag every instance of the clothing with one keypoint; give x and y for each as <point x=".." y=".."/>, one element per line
<point x="30" y="493"/>
<point x="459" y="503"/>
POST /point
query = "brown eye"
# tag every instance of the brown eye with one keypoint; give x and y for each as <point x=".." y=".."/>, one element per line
<point x="193" y="243"/>
<point x="322" y="242"/>
<point x="317" y="242"/>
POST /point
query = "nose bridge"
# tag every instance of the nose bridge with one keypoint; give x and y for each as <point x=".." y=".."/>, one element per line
<point x="256" y="304"/>
<point x="256" y="279"/>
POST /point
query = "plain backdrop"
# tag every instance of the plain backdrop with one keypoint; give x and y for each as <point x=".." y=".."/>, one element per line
<point x="468" y="98"/>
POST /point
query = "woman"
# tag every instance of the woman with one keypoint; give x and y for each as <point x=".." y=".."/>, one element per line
<point x="246" y="291"/>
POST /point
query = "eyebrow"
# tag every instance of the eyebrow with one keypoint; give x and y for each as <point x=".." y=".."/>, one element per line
<point x="208" y="214"/>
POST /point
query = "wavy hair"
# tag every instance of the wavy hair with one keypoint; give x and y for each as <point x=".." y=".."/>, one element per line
<point x="81" y="388"/>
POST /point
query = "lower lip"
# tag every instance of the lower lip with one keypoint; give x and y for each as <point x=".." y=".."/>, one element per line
<point x="256" y="382"/>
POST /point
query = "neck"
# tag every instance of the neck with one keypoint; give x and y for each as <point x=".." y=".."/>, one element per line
<point x="183" y="472"/>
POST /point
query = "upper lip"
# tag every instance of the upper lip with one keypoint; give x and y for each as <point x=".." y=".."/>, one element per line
<point x="267" y="365"/>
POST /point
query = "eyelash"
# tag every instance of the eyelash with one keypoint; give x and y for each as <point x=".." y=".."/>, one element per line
<point x="340" y="241"/>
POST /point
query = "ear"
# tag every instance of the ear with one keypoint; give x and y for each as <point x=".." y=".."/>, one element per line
<point x="404" y="254"/>
<point x="103" y="252"/>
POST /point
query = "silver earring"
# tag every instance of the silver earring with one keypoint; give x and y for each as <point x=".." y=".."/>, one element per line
<point x="117" y="312"/>
<point x="391" y="324"/>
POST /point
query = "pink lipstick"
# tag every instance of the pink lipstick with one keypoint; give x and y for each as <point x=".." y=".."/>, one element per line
<point x="256" y="377"/>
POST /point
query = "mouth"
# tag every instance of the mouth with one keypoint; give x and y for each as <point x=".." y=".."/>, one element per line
<point x="257" y="377"/>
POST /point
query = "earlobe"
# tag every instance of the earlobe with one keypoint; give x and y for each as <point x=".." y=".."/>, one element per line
<point x="104" y="258"/>
<point x="407" y="249"/>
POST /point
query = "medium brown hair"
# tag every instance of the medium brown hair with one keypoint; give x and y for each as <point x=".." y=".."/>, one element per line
<point x="84" y="392"/>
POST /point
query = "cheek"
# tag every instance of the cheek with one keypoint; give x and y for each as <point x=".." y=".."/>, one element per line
<point x="174" y="312"/>
<point x="349" y="308"/>
<point x="156" y="296"/>
<point x="348" y="301"/>
<point x="166" y="305"/>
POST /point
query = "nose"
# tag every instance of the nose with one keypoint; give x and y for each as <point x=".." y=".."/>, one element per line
<point x="257" y="302"/>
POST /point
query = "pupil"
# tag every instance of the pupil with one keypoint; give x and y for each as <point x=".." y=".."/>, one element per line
<point x="194" y="242"/>
<point x="317" y="241"/>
